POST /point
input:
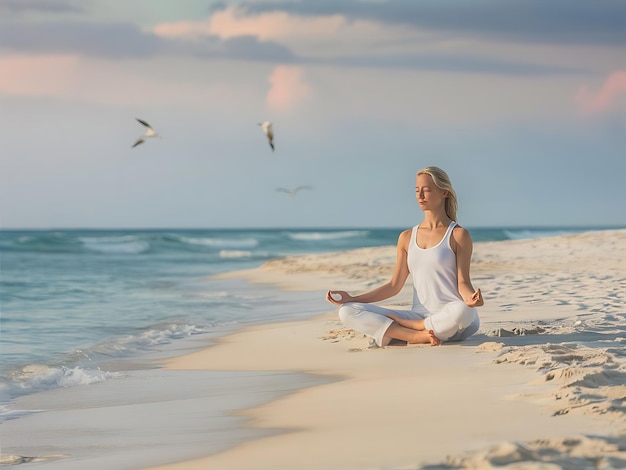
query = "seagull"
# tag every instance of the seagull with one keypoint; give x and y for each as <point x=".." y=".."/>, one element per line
<point x="267" y="129"/>
<point x="149" y="133"/>
<point x="292" y="192"/>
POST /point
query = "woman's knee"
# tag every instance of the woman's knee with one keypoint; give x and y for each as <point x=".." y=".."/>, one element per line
<point x="347" y="312"/>
<point x="463" y="314"/>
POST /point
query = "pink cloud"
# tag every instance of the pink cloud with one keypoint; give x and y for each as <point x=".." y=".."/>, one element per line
<point x="134" y="84"/>
<point x="232" y="22"/>
<point x="604" y="99"/>
<point x="37" y="75"/>
<point x="288" y="88"/>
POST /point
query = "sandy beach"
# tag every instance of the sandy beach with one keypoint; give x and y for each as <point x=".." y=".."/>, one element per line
<point x="541" y="385"/>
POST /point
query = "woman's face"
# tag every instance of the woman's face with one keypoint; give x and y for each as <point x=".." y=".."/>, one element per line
<point x="428" y="194"/>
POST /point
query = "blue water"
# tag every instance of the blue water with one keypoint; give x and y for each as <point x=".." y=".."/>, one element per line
<point x="74" y="300"/>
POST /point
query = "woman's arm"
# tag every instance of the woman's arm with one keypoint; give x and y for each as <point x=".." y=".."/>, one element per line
<point x="391" y="288"/>
<point x="463" y="247"/>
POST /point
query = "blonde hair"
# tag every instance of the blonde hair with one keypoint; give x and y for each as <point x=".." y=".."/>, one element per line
<point x="442" y="181"/>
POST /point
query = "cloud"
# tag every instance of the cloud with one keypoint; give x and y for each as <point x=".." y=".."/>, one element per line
<point x="341" y="41"/>
<point x="246" y="48"/>
<point x="232" y="22"/>
<point x="288" y="88"/>
<point x="112" y="40"/>
<point x="154" y="83"/>
<point x="128" y="41"/>
<point x="385" y="35"/>
<point x="608" y="97"/>
<point x="455" y="63"/>
<point x="536" y="21"/>
<point x="9" y="7"/>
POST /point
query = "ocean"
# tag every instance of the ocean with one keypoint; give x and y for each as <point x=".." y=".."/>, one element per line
<point x="80" y="307"/>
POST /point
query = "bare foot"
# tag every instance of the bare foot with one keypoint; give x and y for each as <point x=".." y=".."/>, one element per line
<point x="434" y="341"/>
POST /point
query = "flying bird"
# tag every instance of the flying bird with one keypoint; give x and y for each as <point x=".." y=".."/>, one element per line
<point x="267" y="129"/>
<point x="292" y="191"/>
<point x="149" y="133"/>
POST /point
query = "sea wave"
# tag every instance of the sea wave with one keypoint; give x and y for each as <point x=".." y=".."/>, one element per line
<point x="122" y="243"/>
<point x="55" y="242"/>
<point x="157" y="335"/>
<point x="316" y="236"/>
<point x="230" y="254"/>
<point x="110" y="239"/>
<point x="221" y="242"/>
<point x="537" y="233"/>
<point x="39" y="377"/>
<point x="117" y="247"/>
<point x="80" y="367"/>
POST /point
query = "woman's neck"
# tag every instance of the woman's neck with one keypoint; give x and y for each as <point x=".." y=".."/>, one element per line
<point x="435" y="219"/>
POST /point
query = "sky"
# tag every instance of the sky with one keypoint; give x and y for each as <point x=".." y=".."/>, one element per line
<point x="521" y="102"/>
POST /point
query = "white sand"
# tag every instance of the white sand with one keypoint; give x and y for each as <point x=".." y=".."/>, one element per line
<point x="541" y="385"/>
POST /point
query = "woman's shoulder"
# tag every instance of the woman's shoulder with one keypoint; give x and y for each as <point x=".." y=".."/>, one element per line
<point x="404" y="237"/>
<point x="406" y="233"/>
<point x="458" y="228"/>
<point x="460" y="235"/>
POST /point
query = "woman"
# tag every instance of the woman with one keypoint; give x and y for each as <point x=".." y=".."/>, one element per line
<point x="437" y="253"/>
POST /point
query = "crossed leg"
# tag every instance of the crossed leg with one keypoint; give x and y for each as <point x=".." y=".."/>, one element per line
<point x="411" y="331"/>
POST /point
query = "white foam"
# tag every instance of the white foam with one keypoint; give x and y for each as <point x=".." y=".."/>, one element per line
<point x="235" y="254"/>
<point x="525" y="234"/>
<point x="161" y="334"/>
<point x="130" y="247"/>
<point x="38" y="377"/>
<point x="113" y="239"/>
<point x="221" y="242"/>
<point x="313" y="236"/>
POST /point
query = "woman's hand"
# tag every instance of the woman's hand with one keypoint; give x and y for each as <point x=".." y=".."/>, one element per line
<point x="476" y="300"/>
<point x="338" y="297"/>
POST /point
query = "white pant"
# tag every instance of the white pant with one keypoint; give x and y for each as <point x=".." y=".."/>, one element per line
<point x="455" y="322"/>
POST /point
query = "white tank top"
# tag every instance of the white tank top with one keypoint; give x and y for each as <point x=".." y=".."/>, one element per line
<point x="435" y="281"/>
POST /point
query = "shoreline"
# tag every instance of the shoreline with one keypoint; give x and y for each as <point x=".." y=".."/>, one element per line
<point x="389" y="410"/>
<point x="321" y="398"/>
<point x="127" y="421"/>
